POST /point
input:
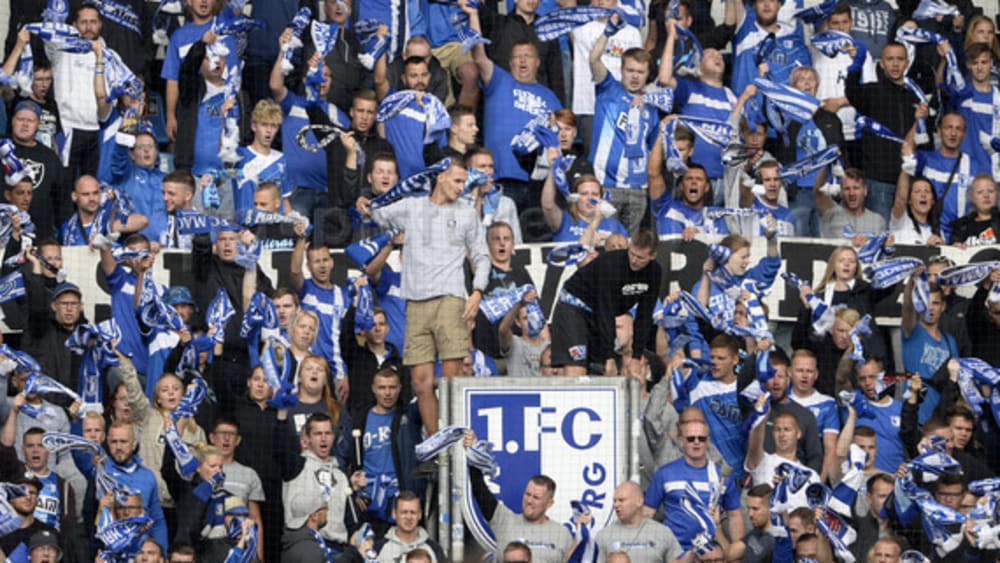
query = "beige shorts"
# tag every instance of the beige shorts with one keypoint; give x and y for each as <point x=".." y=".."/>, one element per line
<point x="451" y="57"/>
<point x="435" y="329"/>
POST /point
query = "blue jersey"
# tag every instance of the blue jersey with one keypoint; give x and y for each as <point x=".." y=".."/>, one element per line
<point x="378" y="465"/>
<point x="570" y="231"/>
<point x="144" y="187"/>
<point x="695" y="98"/>
<point x="206" y="136"/>
<point x="122" y="286"/>
<point x="783" y="216"/>
<point x="890" y="454"/>
<point x="330" y="305"/>
<point x="306" y="169"/>
<point x="439" y="28"/>
<point x="405" y="132"/>
<point x="790" y="52"/>
<point x="510" y="105"/>
<point x="48" y="507"/>
<point x="387" y="292"/>
<point x="106" y="143"/>
<point x="256" y="169"/>
<point x="924" y="354"/>
<point x="979" y="109"/>
<point x="673" y="216"/>
<point x="937" y="168"/>
<point x="182" y="40"/>
<point x="609" y="146"/>
<point x="720" y="404"/>
<point x="809" y="141"/>
<point x="73" y="232"/>
<point x="823" y="407"/>
<point x="666" y="490"/>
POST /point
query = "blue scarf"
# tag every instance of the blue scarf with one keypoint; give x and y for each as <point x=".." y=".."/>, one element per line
<point x="14" y="170"/>
<point x="921" y="137"/>
<point x="220" y="311"/>
<point x="586" y="549"/>
<point x="966" y="274"/>
<point x="364" y="315"/>
<point x="860" y="329"/>
<point x="298" y="26"/>
<point x="439" y="442"/>
<point x="930" y="9"/>
<point x="567" y="255"/>
<point x="419" y="184"/>
<point x="25" y="73"/>
<point x="816" y="14"/>
<point x="831" y="42"/>
<point x="121" y="79"/>
<point x="229" y="141"/>
<point x="800" y="105"/>
<point x="865" y="123"/>
<point x="687" y="57"/>
<point x="39" y="384"/>
<point x="537" y="133"/>
<point x="674" y="161"/>
<point x="94" y="344"/>
<point x="811" y="163"/>
<point x="436" y="115"/>
<point x="365" y="250"/>
<point x="887" y="273"/>
<point x="372" y="46"/>
<point x="561" y="21"/>
<point x="56" y="11"/>
<point x="12" y="286"/>
<point x="713" y="131"/>
<point x="468" y="37"/>
<point x="121" y="14"/>
<point x="191" y="222"/>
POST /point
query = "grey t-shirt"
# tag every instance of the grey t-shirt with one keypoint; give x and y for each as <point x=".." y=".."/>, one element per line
<point x="760" y="546"/>
<point x="649" y="542"/>
<point x="549" y="541"/>
<point x="833" y="222"/>
<point x="243" y="482"/>
<point x="523" y="359"/>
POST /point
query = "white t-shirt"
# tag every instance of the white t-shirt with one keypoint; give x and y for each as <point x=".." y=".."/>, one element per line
<point x="904" y="233"/>
<point x="584" y="38"/>
<point x="764" y="473"/>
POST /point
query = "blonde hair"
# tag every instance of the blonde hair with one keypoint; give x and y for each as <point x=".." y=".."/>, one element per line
<point x="832" y="264"/>
<point x="266" y="111"/>
<point x="969" y="40"/>
<point x="305" y="313"/>
<point x="848" y="315"/>
<point x="156" y="389"/>
<point x="202" y="450"/>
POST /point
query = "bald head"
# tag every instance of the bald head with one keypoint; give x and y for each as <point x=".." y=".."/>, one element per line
<point x="628" y="503"/>
<point x="618" y="557"/>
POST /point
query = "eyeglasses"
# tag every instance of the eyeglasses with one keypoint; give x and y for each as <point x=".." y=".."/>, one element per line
<point x="693" y="439"/>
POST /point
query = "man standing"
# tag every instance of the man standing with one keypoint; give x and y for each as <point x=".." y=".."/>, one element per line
<point x="178" y="193"/>
<point x="73" y="84"/>
<point x="410" y="128"/>
<point x="504" y="277"/>
<point x="635" y="533"/>
<point x="888" y="102"/>
<point x="51" y="196"/>
<point x="851" y="211"/>
<point x="549" y="541"/>
<point x="669" y="482"/>
<point x="407" y="535"/>
<point x="619" y="148"/>
<point x="124" y="466"/>
<point x="440" y="232"/>
<point x="512" y="100"/>
<point x="803" y="373"/>
<point x="584" y="318"/>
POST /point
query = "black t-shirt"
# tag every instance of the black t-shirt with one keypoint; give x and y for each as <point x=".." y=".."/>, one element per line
<point x="980" y="233"/>
<point x="486" y="337"/>
<point x="50" y="124"/>
<point x="50" y="203"/>
<point x="23" y="535"/>
<point x="760" y="546"/>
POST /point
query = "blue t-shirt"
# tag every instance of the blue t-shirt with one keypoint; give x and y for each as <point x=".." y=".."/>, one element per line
<point x="608" y="146"/>
<point x="330" y="305"/>
<point x="790" y="52"/>
<point x="695" y="98"/>
<point x="439" y="28"/>
<point x="206" y="136"/>
<point x="823" y="407"/>
<point x="122" y="285"/>
<point x="666" y="490"/>
<point x="257" y="169"/>
<point x="978" y="109"/>
<point x="924" y="354"/>
<point x="48" y="507"/>
<point x="510" y="105"/>
<point x="387" y="292"/>
<point x="182" y="40"/>
<point x="937" y="168"/>
<point x="886" y="424"/>
<point x="570" y="231"/>
<point x="720" y="405"/>
<point x="405" y="132"/>
<point x="306" y="169"/>
<point x="378" y="465"/>
<point x="783" y="216"/>
<point x="73" y="232"/>
<point x="673" y="216"/>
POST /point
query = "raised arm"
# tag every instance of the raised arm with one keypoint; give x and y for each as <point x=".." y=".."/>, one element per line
<point x="755" y="444"/>
<point x="381" y="71"/>
<point x="654" y="165"/>
<point x="666" y="75"/>
<point x="824" y="202"/>
<point x="100" y="85"/>
<point x="597" y="68"/>
<point x="483" y="62"/>
<point x="551" y="210"/>
<point x="296" y="269"/>
<point x="908" y="315"/>
<point x="277" y="80"/>
<point x="10" y="65"/>
<point x="902" y="195"/>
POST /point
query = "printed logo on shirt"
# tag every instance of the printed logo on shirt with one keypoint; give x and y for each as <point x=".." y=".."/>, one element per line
<point x="630" y="545"/>
<point x="622" y="121"/>
<point x="578" y="352"/>
<point x="35" y="171"/>
<point x="527" y="101"/>
<point x="894" y="420"/>
<point x="983" y="238"/>
<point x="635" y="289"/>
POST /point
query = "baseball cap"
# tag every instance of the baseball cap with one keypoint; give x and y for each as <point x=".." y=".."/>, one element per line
<point x="44" y="538"/>
<point x="28" y="105"/>
<point x="178" y="295"/>
<point x="64" y="287"/>
<point x="302" y="507"/>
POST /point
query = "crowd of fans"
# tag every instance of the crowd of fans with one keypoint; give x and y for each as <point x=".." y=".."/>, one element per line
<point x="233" y="420"/>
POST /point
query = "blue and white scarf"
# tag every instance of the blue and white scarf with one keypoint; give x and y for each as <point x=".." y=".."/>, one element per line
<point x="220" y="311"/>
<point x="887" y="273"/>
<point x="372" y="46"/>
<point x="14" y="169"/>
<point x="119" y="13"/>
<point x="585" y="550"/>
<point x="865" y="123"/>
<point x="796" y="103"/>
<point x="438" y="442"/>
<point x="713" y="131"/>
<point x="930" y="9"/>
<point x="831" y="42"/>
<point x="688" y="53"/>
<point x="191" y="222"/>
<point x="561" y="21"/>
<point x="25" y="73"/>
<point x="537" y="133"/>
<point x="12" y="286"/>
<point x="568" y="255"/>
<point x="816" y="14"/>
<point x="365" y="250"/>
<point x="229" y="141"/>
<point x="419" y="184"/>
<point x="861" y="328"/>
<point x="921" y="137"/>
<point x="966" y="274"/>
<point x="56" y="11"/>
<point x="120" y="78"/>
<point x="811" y="163"/>
<point x="298" y="26"/>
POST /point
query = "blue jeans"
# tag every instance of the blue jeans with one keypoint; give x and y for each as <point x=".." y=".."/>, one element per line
<point x="306" y="200"/>
<point x="880" y="197"/>
<point x="803" y="208"/>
